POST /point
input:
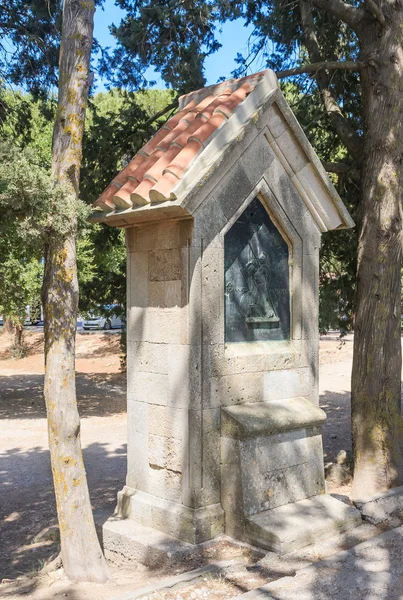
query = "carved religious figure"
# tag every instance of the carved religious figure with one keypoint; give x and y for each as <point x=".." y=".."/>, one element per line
<point x="255" y="302"/>
<point x="256" y="278"/>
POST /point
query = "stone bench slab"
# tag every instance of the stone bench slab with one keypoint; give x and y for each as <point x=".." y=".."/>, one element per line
<point x="264" y="419"/>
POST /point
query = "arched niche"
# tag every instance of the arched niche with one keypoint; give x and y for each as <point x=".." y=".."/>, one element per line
<point x="257" y="278"/>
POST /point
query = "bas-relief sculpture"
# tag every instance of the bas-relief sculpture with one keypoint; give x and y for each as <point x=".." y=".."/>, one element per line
<point x="257" y="287"/>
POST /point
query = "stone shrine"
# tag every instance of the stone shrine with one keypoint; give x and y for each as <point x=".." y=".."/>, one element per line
<point x="224" y="209"/>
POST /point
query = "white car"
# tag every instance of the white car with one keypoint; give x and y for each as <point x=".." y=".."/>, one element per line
<point x="96" y="322"/>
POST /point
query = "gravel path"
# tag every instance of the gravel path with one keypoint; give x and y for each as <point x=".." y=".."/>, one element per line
<point x="26" y="494"/>
<point x="27" y="504"/>
<point x="372" y="570"/>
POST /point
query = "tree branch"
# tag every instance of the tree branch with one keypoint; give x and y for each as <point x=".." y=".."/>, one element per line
<point x="102" y="157"/>
<point x="161" y="113"/>
<point x="150" y="121"/>
<point x="342" y="168"/>
<point x="345" y="12"/>
<point x="343" y="128"/>
<point x="345" y="65"/>
<point x="376" y="11"/>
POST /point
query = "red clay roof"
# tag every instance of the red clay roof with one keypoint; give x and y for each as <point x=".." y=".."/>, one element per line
<point x="155" y="170"/>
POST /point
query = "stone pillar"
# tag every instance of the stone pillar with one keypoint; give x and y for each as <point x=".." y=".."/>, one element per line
<point x="168" y="428"/>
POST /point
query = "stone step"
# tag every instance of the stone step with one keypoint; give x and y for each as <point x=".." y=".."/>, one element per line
<point x="300" y="524"/>
<point x="385" y="506"/>
<point x="124" y="542"/>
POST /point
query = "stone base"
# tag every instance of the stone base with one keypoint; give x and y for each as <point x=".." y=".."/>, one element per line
<point x="271" y="455"/>
<point x="127" y="542"/>
<point x="176" y="520"/>
<point x="383" y="506"/>
<point x="295" y="525"/>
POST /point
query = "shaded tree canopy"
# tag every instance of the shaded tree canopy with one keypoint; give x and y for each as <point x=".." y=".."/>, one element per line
<point x="29" y="43"/>
<point x="174" y="37"/>
<point x="32" y="208"/>
<point x="117" y="124"/>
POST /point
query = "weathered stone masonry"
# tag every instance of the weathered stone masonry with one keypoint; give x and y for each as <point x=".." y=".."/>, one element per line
<point x="221" y="434"/>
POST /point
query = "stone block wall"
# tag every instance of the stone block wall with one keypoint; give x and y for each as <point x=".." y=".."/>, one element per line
<point x="158" y="359"/>
<point x="173" y="456"/>
<point x="265" y="472"/>
<point x="239" y="373"/>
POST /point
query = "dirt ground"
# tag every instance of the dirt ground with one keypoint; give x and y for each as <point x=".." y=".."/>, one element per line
<point x="27" y="504"/>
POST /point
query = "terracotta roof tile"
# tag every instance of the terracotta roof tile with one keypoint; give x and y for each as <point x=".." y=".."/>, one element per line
<point x="122" y="197"/>
<point x="227" y="106"/>
<point x="105" y="201"/>
<point x="173" y="121"/>
<point x="180" y="128"/>
<point x="162" y="190"/>
<point x="140" y="194"/>
<point x="157" y="169"/>
<point x="207" y="129"/>
<point x="147" y="164"/>
<point x="184" y="158"/>
<point x="153" y="143"/>
<point x="121" y="177"/>
<point x="162" y="162"/>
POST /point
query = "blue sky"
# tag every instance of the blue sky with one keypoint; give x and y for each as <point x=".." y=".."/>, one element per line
<point x="233" y="37"/>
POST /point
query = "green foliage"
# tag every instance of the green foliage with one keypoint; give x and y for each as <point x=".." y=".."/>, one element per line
<point x="108" y="285"/>
<point x="117" y="124"/>
<point x="29" y="43"/>
<point x="30" y="34"/>
<point x="338" y="255"/>
<point x="32" y="206"/>
<point x="86" y="261"/>
<point x="32" y="209"/>
<point x="27" y="122"/>
<point x="20" y="285"/>
<point x="175" y="37"/>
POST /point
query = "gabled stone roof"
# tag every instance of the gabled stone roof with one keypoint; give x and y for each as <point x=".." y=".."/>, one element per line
<point x="163" y="172"/>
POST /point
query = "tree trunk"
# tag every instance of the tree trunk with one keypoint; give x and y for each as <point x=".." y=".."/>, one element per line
<point x="18" y="346"/>
<point x="8" y="326"/>
<point x="377" y="425"/>
<point x="81" y="552"/>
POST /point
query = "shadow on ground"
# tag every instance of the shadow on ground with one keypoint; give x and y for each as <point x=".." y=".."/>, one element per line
<point x="337" y="429"/>
<point x="27" y="503"/>
<point x="98" y="394"/>
<point x="371" y="571"/>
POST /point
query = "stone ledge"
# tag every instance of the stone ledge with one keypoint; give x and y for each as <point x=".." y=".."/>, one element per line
<point x="192" y="525"/>
<point x="296" y="525"/>
<point x="381" y="507"/>
<point x="264" y="419"/>
<point x="125" y="541"/>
